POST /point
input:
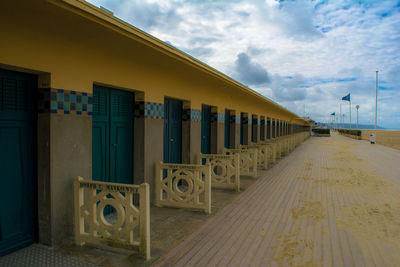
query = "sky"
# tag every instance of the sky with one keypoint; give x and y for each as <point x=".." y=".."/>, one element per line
<point x="305" y="55"/>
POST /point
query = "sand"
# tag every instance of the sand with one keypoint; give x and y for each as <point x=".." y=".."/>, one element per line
<point x="384" y="137"/>
<point x="374" y="220"/>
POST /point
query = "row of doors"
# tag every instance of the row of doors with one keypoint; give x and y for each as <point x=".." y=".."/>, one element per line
<point x="112" y="148"/>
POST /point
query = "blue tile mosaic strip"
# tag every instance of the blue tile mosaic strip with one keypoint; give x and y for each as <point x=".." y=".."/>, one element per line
<point x="60" y="101"/>
<point x="237" y="119"/>
<point x="195" y="115"/>
<point x="221" y="117"/>
<point x="153" y="110"/>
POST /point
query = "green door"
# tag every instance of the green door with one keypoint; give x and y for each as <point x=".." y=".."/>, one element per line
<point x="227" y="128"/>
<point x="18" y="208"/>
<point x="206" y="129"/>
<point x="112" y="135"/>
<point x="172" y="131"/>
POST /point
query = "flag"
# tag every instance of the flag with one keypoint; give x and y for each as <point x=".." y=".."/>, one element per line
<point x="333" y="114"/>
<point x="346" y="98"/>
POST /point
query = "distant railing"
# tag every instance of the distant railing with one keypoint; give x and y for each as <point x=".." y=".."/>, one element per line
<point x="122" y="227"/>
<point x="271" y="150"/>
<point x="248" y="160"/>
<point x="262" y="154"/>
<point x="355" y="134"/>
<point x="183" y="186"/>
<point x="225" y="170"/>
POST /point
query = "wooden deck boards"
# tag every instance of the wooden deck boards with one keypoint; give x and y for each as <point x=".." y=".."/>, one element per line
<point x="308" y="210"/>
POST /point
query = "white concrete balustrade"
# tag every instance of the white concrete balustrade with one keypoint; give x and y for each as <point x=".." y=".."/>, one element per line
<point x="248" y="160"/>
<point x="262" y="154"/>
<point x="225" y="170"/>
<point x="128" y="226"/>
<point x="183" y="186"/>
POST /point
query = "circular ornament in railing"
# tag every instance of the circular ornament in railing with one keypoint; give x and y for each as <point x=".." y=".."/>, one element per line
<point x="119" y="209"/>
<point x="183" y="185"/>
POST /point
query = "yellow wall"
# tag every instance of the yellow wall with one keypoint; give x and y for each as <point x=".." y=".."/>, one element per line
<point x="78" y="52"/>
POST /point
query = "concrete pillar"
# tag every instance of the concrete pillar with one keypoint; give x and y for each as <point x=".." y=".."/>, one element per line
<point x="71" y="153"/>
<point x="44" y="184"/>
<point x="269" y="128"/>
<point x="220" y="131"/>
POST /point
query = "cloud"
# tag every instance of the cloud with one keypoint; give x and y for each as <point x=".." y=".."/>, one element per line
<point x="145" y="14"/>
<point x="249" y="72"/>
<point x="297" y="20"/>
<point x="295" y="52"/>
<point x="394" y="76"/>
<point x="289" y="89"/>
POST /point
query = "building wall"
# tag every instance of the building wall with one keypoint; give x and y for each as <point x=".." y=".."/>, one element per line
<point x="71" y="50"/>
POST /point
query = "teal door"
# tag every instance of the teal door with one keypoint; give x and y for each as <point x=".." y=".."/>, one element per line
<point x="254" y="125"/>
<point x="242" y="125"/>
<point x="262" y="129"/>
<point x="112" y="135"/>
<point x="206" y="129"/>
<point x="18" y="208"/>
<point x="172" y="131"/>
<point x="227" y="128"/>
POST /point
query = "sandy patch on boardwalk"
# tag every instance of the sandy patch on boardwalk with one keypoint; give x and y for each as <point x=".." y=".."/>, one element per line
<point x="311" y="209"/>
<point x="349" y="179"/>
<point x="372" y="221"/>
<point x="346" y="156"/>
<point x="291" y="250"/>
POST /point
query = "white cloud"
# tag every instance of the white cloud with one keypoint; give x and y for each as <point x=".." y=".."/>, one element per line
<point x="327" y="48"/>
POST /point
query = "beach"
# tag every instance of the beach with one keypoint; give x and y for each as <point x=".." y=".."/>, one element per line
<point x="390" y="138"/>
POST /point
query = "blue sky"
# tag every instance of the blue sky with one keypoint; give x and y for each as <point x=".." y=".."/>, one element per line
<point x="297" y="53"/>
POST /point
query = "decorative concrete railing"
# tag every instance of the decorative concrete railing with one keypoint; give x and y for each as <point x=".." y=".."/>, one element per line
<point x="128" y="226"/>
<point x="262" y="154"/>
<point x="285" y="142"/>
<point x="276" y="148"/>
<point x="183" y="186"/>
<point x="248" y="160"/>
<point x="272" y="151"/>
<point x="225" y="170"/>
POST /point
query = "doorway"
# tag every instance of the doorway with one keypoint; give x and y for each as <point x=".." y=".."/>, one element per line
<point x="18" y="160"/>
<point x="112" y="135"/>
<point x="172" y="131"/>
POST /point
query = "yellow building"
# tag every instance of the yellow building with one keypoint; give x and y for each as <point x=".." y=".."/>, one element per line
<point x="84" y="93"/>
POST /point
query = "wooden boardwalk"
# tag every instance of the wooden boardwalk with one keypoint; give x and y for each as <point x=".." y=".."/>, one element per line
<point x="331" y="202"/>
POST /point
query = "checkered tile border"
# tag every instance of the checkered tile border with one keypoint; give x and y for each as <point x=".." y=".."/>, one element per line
<point x="195" y="115"/>
<point x="221" y="117"/>
<point x="237" y="119"/>
<point x="153" y="110"/>
<point x="60" y="101"/>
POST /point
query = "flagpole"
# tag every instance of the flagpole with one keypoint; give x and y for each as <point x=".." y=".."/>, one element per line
<point x="340" y="115"/>
<point x="376" y="97"/>
<point x="357" y="107"/>
<point x="350" y="112"/>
